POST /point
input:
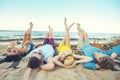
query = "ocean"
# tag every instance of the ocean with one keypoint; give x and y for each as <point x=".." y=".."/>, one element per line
<point x="12" y="34"/>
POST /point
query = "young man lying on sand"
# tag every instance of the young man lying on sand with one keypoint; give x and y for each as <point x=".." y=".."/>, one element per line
<point x="65" y="57"/>
<point x="101" y="59"/>
<point x="16" y="52"/>
<point x="42" y="57"/>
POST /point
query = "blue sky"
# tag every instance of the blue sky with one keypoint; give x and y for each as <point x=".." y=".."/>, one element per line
<point x="94" y="15"/>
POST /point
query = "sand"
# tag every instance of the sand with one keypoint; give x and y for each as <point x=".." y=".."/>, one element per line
<point x="76" y="73"/>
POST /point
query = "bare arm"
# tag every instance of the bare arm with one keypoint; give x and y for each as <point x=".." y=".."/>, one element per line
<point x="71" y="66"/>
<point x="49" y="66"/>
<point x="57" y="62"/>
<point x="82" y="59"/>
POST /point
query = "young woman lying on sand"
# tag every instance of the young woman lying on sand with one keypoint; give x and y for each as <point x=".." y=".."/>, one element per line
<point x="101" y="59"/>
<point x="16" y="52"/>
<point x="65" y="57"/>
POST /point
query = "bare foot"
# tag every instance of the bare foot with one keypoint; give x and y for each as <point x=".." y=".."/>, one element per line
<point x="65" y="21"/>
<point x="71" y="26"/>
<point x="31" y="24"/>
<point x="50" y="29"/>
<point x="66" y="27"/>
<point x="78" y="26"/>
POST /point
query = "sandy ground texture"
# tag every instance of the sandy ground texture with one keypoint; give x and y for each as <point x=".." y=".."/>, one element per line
<point x="77" y="73"/>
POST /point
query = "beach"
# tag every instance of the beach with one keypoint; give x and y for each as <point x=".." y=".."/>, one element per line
<point x="76" y="73"/>
<point x="100" y="19"/>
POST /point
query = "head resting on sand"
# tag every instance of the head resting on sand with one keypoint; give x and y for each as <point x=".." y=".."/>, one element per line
<point x="35" y="60"/>
<point x="104" y="61"/>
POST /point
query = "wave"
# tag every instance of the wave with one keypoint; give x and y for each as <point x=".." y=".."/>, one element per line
<point x="11" y="34"/>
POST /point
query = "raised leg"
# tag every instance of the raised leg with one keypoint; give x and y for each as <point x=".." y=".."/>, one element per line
<point x="83" y="37"/>
<point x="27" y="39"/>
<point x="27" y="35"/>
<point x="67" y="35"/>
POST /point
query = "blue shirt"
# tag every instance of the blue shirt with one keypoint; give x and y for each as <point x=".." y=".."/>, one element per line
<point x="47" y="50"/>
<point x="89" y="51"/>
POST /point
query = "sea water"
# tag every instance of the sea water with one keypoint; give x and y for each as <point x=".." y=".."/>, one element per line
<point x="12" y="34"/>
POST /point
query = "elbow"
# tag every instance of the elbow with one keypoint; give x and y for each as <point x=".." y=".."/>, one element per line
<point x="51" y="68"/>
<point x="55" y="60"/>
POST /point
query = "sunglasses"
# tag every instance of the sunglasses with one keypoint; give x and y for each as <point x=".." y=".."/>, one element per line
<point x="39" y="52"/>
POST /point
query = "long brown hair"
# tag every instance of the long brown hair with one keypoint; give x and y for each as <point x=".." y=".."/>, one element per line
<point x="106" y="63"/>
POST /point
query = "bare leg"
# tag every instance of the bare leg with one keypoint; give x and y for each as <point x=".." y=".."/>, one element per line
<point x="46" y="41"/>
<point x="67" y="36"/>
<point x="80" y="41"/>
<point x="26" y="40"/>
<point x="27" y="35"/>
<point x="51" y="40"/>
<point x="83" y="37"/>
<point x="50" y="32"/>
<point x="49" y="37"/>
<point x="25" y="48"/>
<point x="64" y="39"/>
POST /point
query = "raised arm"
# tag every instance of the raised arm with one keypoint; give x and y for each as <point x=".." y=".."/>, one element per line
<point x="49" y="66"/>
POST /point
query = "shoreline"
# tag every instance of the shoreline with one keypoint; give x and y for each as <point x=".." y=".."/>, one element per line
<point x="5" y="40"/>
<point x="39" y="41"/>
<point x="56" y="39"/>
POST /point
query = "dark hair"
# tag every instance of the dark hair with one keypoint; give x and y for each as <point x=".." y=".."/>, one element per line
<point x="33" y="63"/>
<point x="106" y="63"/>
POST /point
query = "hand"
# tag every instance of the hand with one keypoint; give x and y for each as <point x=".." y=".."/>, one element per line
<point x="71" y="66"/>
